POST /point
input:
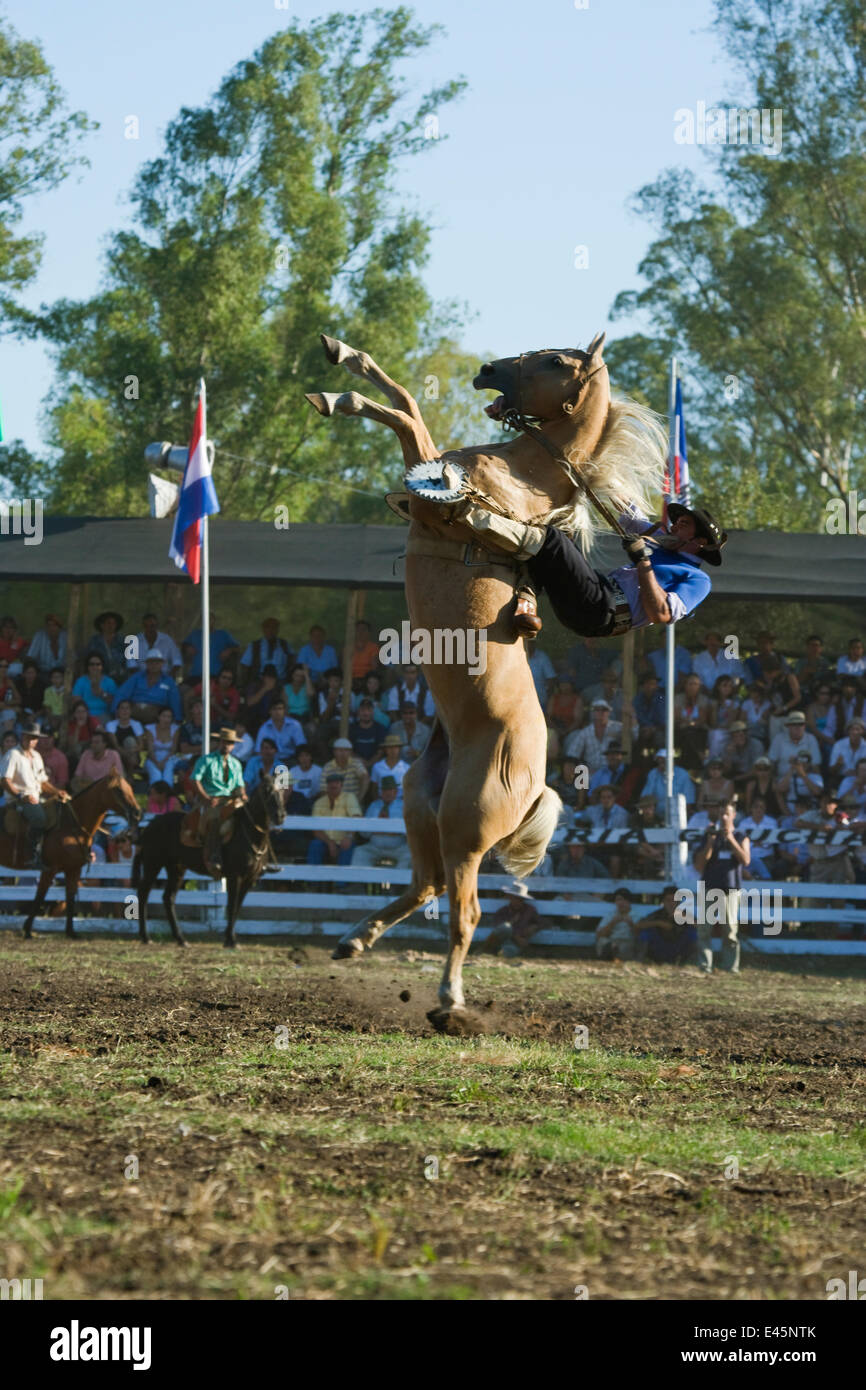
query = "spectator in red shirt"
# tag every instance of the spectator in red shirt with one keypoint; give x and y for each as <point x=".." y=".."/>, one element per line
<point x="160" y="799"/>
<point x="79" y="731"/>
<point x="12" y="644"/>
<point x="225" y="698"/>
<point x="56" y="763"/>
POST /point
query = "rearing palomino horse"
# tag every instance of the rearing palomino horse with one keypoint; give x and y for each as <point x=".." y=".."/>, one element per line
<point x="480" y="783"/>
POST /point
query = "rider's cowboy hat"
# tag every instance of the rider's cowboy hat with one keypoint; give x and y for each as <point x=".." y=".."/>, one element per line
<point x="109" y="613"/>
<point x="704" y="526"/>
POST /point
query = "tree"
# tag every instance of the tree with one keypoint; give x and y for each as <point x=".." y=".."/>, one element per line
<point x="759" y="284"/>
<point x="270" y="217"/>
<point x="37" y="140"/>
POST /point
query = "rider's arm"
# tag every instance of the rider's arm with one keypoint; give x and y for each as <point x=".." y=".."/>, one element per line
<point x="653" y="597"/>
<point x="205" y="796"/>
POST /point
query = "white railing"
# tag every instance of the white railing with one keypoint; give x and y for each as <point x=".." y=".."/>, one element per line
<point x="573" y="899"/>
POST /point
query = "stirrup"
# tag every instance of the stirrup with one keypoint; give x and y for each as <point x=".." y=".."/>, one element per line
<point x="526" y="618"/>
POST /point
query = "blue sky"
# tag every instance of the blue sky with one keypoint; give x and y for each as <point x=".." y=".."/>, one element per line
<point x="569" y="111"/>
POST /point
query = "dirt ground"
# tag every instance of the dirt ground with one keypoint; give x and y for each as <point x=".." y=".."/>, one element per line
<point x="269" y="1123"/>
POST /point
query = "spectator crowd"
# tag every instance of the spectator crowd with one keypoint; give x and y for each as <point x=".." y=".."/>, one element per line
<point x="781" y="736"/>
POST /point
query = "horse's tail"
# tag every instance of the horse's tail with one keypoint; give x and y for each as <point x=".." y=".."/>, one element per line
<point x="522" y="851"/>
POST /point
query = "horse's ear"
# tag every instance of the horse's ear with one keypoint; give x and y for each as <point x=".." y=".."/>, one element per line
<point x="595" y="347"/>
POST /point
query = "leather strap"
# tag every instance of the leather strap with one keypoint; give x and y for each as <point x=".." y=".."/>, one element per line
<point x="465" y="552"/>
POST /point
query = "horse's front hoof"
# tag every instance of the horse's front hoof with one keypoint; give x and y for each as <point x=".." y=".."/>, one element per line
<point x="228" y="945"/>
<point x="456" y="1022"/>
<point x="181" y="941"/>
<point x="349" y="949"/>
<point x="323" y="401"/>
<point x="144" y="941"/>
<point x="335" y="351"/>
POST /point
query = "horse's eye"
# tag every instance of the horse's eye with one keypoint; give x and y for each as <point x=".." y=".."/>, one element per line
<point x="557" y="362"/>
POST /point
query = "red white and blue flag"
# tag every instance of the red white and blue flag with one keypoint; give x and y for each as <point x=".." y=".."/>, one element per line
<point x="197" y="498"/>
<point x="677" y="485"/>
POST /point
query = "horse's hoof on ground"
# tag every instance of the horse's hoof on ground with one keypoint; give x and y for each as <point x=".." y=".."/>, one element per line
<point x="348" y="950"/>
<point x="227" y="945"/>
<point x="181" y="941"/>
<point x="456" y="1023"/>
<point x="144" y="941"/>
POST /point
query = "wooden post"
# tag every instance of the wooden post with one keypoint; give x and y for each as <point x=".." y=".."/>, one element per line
<point x="627" y="693"/>
<point x="71" y="637"/>
<point x="348" y="651"/>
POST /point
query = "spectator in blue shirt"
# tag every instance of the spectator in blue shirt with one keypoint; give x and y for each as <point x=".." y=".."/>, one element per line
<point x="261" y="764"/>
<point x="541" y="668"/>
<point x="649" y="709"/>
<point x="222" y="648"/>
<point x="286" y="733"/>
<point x="656" y="783"/>
<point x="149" y="690"/>
<point x="658" y="660"/>
<point x="317" y="655"/>
<point x="607" y="815"/>
<point x="96" y="689"/>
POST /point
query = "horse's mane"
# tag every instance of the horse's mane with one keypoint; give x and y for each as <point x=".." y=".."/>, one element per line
<point x="627" y="466"/>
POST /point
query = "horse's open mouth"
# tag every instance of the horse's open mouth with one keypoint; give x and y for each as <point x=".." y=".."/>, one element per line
<point x="496" y="409"/>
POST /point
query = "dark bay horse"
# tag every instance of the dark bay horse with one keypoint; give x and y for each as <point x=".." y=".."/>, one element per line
<point x="66" y="847"/>
<point x="244" y="855"/>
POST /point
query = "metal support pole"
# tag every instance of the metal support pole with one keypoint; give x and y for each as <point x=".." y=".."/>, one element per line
<point x="205" y="636"/>
<point x="670" y="672"/>
<point x="348" y="654"/>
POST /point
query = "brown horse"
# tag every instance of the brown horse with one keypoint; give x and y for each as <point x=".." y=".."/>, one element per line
<point x="480" y="783"/>
<point x="66" y="847"/>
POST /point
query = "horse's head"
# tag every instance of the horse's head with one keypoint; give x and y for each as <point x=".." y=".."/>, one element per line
<point x="272" y="799"/>
<point x="549" y="384"/>
<point x="122" y="799"/>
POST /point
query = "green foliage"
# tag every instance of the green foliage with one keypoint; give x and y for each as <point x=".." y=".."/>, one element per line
<point x="268" y="218"/>
<point x="758" y="285"/>
<point x="37" y="136"/>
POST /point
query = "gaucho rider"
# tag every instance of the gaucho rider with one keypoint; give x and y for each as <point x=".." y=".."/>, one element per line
<point x="24" y="777"/>
<point x="218" y="778"/>
<point x="663" y="582"/>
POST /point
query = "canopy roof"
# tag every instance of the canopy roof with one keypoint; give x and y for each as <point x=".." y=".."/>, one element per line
<point x="758" y="564"/>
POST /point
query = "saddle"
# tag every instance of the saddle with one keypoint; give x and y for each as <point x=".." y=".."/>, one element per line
<point x="14" y="823"/>
<point x="191" y="832"/>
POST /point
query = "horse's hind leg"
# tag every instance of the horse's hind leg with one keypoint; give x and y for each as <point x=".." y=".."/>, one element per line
<point x="428" y="875"/>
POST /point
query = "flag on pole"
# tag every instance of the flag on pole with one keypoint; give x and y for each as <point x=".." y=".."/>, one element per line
<point x="677" y="485"/>
<point x="197" y="499"/>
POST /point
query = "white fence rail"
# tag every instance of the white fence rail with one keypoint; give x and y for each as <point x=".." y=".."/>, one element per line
<point x="573" y="898"/>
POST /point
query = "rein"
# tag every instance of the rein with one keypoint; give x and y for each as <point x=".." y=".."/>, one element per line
<point x="515" y="419"/>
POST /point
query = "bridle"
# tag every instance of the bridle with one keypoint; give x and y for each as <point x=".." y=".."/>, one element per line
<point x="515" y="419"/>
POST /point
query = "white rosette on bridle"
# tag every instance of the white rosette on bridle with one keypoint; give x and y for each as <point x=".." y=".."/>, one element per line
<point x="437" y="481"/>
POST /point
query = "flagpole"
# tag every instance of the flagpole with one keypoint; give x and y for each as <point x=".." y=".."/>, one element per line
<point x="670" y="817"/>
<point x="205" y="615"/>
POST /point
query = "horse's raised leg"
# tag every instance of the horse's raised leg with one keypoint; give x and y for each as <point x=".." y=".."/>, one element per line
<point x="405" y="419"/>
<point x="174" y="877"/>
<point x="361" y="364"/>
<point x="70" y="879"/>
<point x="46" y="878"/>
